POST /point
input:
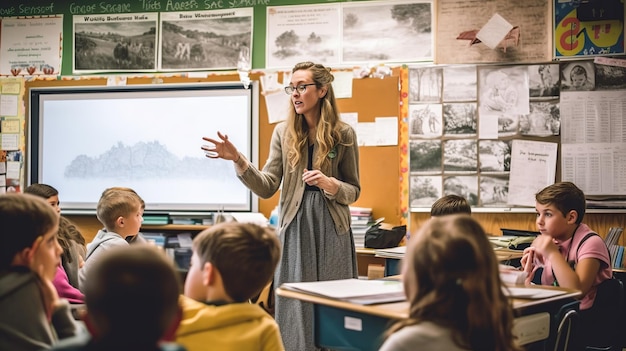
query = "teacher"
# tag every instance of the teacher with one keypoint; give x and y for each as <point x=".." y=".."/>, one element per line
<point x="316" y="156"/>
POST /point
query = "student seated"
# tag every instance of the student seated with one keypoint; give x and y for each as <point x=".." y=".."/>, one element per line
<point x="570" y="254"/>
<point x="120" y="211"/>
<point x="452" y="282"/>
<point x="72" y="242"/>
<point x="132" y="302"/>
<point x="450" y="204"/>
<point x="32" y="316"/>
<point x="231" y="263"/>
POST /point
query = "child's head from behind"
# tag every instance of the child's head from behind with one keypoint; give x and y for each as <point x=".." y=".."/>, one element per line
<point x="132" y="294"/>
<point x="578" y="75"/>
<point x="28" y="227"/>
<point x="450" y="204"/>
<point x="49" y="193"/>
<point x="245" y="256"/>
<point x="120" y="211"/>
<point x="565" y="197"/>
<point x="451" y="277"/>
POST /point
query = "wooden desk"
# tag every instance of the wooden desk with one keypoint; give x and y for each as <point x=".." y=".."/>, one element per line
<point x="348" y="326"/>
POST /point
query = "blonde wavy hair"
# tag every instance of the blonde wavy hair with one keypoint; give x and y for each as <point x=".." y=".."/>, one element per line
<point x="328" y="133"/>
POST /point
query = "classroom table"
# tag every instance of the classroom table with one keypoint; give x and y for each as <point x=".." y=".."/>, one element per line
<point x="341" y="325"/>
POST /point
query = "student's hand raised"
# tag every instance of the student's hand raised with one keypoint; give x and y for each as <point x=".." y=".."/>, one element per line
<point x="220" y="149"/>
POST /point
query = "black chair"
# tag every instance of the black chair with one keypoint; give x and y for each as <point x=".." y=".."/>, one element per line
<point x="565" y="322"/>
<point x="603" y="323"/>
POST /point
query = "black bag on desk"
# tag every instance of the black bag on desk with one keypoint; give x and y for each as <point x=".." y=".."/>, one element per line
<point x="383" y="236"/>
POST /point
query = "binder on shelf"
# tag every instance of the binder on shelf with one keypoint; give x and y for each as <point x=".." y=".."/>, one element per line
<point x="155" y="219"/>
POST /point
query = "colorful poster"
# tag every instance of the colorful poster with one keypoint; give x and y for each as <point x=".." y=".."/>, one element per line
<point x="588" y="28"/>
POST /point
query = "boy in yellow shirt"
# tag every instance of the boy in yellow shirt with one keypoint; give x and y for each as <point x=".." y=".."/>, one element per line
<point x="231" y="263"/>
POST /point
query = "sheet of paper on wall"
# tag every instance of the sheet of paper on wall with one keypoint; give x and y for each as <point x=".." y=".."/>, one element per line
<point x="11" y="88"/>
<point x="488" y="126"/>
<point x="113" y="81"/>
<point x="366" y="133"/>
<point x="8" y="105"/>
<point x="352" y="118"/>
<point x="9" y="141"/>
<point x="533" y="167"/>
<point x="342" y="84"/>
<point x="3" y="167"/>
<point x="13" y="169"/>
<point x="10" y="125"/>
<point x="278" y="105"/>
<point x="3" y="180"/>
<point x="494" y="31"/>
<point x="386" y="131"/>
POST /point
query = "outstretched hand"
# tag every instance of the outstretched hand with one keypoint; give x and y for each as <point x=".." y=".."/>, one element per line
<point x="220" y="149"/>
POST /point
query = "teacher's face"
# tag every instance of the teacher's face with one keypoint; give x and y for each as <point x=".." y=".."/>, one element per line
<point x="308" y="101"/>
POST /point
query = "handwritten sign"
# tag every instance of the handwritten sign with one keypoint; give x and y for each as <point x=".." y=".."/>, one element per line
<point x="533" y="167"/>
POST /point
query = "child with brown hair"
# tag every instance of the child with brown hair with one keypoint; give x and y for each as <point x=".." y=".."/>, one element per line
<point x="120" y="211"/>
<point x="33" y="316"/>
<point x="570" y="253"/>
<point x="452" y="282"/>
<point x="450" y="204"/>
<point x="132" y="302"/>
<point x="231" y="263"/>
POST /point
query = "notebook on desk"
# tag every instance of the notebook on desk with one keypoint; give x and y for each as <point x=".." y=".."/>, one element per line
<point x="359" y="291"/>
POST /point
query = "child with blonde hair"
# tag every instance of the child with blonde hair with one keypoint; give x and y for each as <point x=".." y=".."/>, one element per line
<point x="452" y="282"/>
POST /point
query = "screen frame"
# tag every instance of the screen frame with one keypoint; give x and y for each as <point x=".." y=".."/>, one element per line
<point x="35" y="125"/>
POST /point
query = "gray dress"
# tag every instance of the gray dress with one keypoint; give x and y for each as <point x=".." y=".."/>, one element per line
<point x="312" y="250"/>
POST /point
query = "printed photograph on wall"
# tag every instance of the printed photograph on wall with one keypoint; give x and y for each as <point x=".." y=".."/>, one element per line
<point x="610" y="77"/>
<point x="503" y="90"/>
<point x="459" y="83"/>
<point x="115" y="43"/>
<point x="425" y="84"/>
<point x="460" y="156"/>
<point x="424" y="190"/>
<point x="302" y="33"/>
<point x="543" y="80"/>
<point x="588" y="28"/>
<point x="387" y="31"/>
<point x="206" y="40"/>
<point x="425" y="155"/>
<point x="494" y="191"/>
<point x="494" y="155"/>
<point x="465" y="186"/>
<point x="577" y="76"/>
<point x="425" y="120"/>
<point x="459" y="119"/>
<point x="544" y="119"/>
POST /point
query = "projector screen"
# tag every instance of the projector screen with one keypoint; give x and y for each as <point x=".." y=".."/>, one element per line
<point x="83" y="140"/>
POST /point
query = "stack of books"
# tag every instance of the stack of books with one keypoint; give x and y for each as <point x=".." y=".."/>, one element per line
<point x="361" y="219"/>
<point x="618" y="259"/>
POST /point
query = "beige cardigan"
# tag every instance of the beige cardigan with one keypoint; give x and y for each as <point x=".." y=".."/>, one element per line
<point x="344" y="167"/>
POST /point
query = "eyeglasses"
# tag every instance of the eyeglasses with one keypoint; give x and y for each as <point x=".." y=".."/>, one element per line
<point x="300" y="88"/>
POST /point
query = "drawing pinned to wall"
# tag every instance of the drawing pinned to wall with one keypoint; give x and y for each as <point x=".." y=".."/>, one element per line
<point x="118" y="43"/>
<point x="543" y="120"/>
<point x="577" y="76"/>
<point x="529" y="42"/>
<point x="494" y="155"/>
<point x="387" y="31"/>
<point x="494" y="191"/>
<point x="543" y="80"/>
<point x="460" y="156"/>
<point x="460" y="119"/>
<point x="206" y="40"/>
<point x="588" y="28"/>
<point x="425" y="155"/>
<point x="425" y="120"/>
<point x="425" y="84"/>
<point x="302" y="33"/>
<point x="424" y="190"/>
<point x="465" y="186"/>
<point x="610" y="77"/>
<point x="459" y="83"/>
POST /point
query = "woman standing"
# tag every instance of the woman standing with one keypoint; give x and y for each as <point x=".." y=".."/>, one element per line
<point x="316" y="157"/>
